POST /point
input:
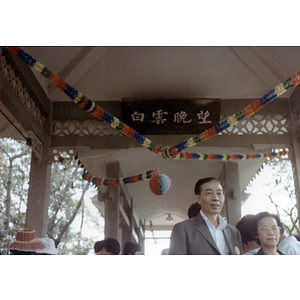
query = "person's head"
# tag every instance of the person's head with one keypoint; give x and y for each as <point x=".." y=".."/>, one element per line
<point x="109" y="246"/>
<point x="210" y="195"/>
<point x="267" y="228"/>
<point x="244" y="227"/>
<point x="194" y="210"/>
<point x="131" y="248"/>
<point x="98" y="246"/>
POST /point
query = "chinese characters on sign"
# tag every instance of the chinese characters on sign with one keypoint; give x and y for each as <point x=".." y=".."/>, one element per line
<point x="159" y="117"/>
<point x="174" y="116"/>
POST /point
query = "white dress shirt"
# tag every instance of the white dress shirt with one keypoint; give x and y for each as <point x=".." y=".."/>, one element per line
<point x="217" y="233"/>
<point x="289" y="245"/>
<point x="252" y="252"/>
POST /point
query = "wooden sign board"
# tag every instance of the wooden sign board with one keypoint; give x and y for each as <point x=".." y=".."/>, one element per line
<point x="170" y="116"/>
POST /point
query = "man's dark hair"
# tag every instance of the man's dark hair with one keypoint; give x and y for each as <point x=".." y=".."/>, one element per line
<point x="260" y="216"/>
<point x="111" y="245"/>
<point x="98" y="246"/>
<point x="200" y="182"/>
<point x="244" y="227"/>
<point x="131" y="248"/>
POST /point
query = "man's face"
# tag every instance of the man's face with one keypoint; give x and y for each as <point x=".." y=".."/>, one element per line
<point x="211" y="198"/>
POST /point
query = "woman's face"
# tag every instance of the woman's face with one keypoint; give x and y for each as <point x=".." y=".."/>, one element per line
<point x="268" y="232"/>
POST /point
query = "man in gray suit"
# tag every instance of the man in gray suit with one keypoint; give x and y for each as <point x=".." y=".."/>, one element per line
<point x="206" y="233"/>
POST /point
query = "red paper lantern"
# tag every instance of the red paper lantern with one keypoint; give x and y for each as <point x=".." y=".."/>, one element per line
<point x="160" y="184"/>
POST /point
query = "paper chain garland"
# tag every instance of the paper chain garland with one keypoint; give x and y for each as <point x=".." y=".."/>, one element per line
<point x="83" y="101"/>
<point x="225" y="157"/>
<point x="111" y="181"/>
<point x="118" y="181"/>
<point x="235" y="118"/>
<point x="184" y="155"/>
<point x="97" y="181"/>
<point x="174" y="152"/>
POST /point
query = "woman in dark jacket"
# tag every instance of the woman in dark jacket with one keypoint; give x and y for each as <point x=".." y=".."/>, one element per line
<point x="266" y="231"/>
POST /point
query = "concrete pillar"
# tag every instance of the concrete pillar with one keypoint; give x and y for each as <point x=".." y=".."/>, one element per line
<point x="142" y="235"/>
<point x="127" y="232"/>
<point x="232" y="195"/>
<point x="126" y="236"/>
<point x="112" y="204"/>
<point x="39" y="186"/>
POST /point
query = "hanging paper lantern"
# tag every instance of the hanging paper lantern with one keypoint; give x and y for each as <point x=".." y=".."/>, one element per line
<point x="160" y="184"/>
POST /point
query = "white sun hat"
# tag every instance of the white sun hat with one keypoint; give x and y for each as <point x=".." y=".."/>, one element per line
<point x="50" y="246"/>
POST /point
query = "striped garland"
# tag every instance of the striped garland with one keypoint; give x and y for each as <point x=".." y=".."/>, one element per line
<point x="170" y="152"/>
<point x="235" y="118"/>
<point x="84" y="102"/>
<point x="110" y="181"/>
<point x="226" y="157"/>
<point x="119" y="181"/>
<point x="97" y="181"/>
<point x="61" y="159"/>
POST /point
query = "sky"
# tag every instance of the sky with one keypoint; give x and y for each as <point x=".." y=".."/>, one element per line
<point x="257" y="203"/>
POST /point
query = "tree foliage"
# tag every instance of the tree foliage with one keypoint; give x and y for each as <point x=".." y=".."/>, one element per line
<point x="67" y="199"/>
<point x="14" y="176"/>
<point x="276" y="182"/>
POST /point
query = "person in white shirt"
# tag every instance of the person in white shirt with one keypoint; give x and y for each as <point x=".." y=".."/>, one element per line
<point x="289" y="245"/>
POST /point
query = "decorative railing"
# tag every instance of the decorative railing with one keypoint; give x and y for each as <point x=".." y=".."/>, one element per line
<point x="15" y="83"/>
<point x="260" y="124"/>
<point x="255" y="125"/>
<point x="85" y="128"/>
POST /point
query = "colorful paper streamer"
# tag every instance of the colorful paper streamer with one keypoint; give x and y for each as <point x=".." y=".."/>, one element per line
<point x="84" y="102"/>
<point x="226" y="157"/>
<point x="119" y="181"/>
<point x="235" y="118"/>
<point x="169" y="152"/>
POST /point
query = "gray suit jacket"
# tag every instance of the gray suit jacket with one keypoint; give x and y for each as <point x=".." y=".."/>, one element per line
<point x="193" y="237"/>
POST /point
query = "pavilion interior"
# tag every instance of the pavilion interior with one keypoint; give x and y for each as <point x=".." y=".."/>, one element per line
<point x="237" y="76"/>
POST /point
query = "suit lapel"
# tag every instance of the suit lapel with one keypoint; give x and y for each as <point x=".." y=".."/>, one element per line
<point x="231" y="240"/>
<point x="204" y="230"/>
<point x="227" y="235"/>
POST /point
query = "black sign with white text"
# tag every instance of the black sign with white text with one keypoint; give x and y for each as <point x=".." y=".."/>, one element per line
<point x="171" y="116"/>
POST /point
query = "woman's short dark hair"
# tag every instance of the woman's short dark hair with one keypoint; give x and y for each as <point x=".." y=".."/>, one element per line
<point x="98" y="246"/>
<point x="200" y="182"/>
<point x="131" y="248"/>
<point x="111" y="245"/>
<point x="260" y="216"/>
<point x="244" y="227"/>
